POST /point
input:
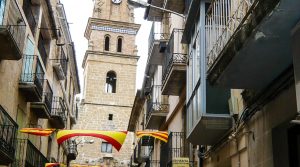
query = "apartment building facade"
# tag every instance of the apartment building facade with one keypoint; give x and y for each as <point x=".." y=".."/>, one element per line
<point x="242" y="97"/>
<point x="161" y="102"/>
<point x="38" y="81"/>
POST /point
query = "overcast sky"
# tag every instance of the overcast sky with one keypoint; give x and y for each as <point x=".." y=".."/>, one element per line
<point x="78" y="12"/>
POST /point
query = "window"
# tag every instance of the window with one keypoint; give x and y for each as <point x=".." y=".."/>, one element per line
<point x="111" y="80"/>
<point x="110" y="117"/>
<point x="106" y="147"/>
<point x="106" y="47"/>
<point x="119" y="46"/>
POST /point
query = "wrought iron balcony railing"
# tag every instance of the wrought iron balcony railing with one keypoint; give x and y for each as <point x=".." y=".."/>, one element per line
<point x="12" y="28"/>
<point x="176" y="147"/>
<point x="61" y="65"/>
<point x="172" y="59"/>
<point x="28" y="155"/>
<point x="156" y="107"/>
<point x="47" y="95"/>
<point x="58" y="112"/>
<point x="153" y="37"/>
<point x="8" y="128"/>
<point x="222" y="21"/>
<point x="32" y="73"/>
<point x="27" y="8"/>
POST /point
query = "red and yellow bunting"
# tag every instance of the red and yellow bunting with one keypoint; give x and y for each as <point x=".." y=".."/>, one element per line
<point x="115" y="138"/>
<point x="37" y="131"/>
<point x="52" y="165"/>
<point x="161" y="135"/>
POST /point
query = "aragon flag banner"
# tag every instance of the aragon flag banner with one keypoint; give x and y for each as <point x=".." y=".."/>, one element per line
<point x="115" y="138"/>
<point x="37" y="131"/>
<point x="160" y="135"/>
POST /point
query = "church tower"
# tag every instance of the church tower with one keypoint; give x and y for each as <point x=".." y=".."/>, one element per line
<point x="109" y="82"/>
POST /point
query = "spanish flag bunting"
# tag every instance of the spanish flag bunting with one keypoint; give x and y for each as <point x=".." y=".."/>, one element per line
<point x="52" y="165"/>
<point x="161" y="135"/>
<point x="115" y="138"/>
<point x="37" y="131"/>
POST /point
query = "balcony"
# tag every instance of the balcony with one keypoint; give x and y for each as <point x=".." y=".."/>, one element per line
<point x="174" y="66"/>
<point x="208" y="116"/>
<point x="42" y="109"/>
<point x="28" y="155"/>
<point x="157" y="44"/>
<point x="12" y="31"/>
<point x="143" y="149"/>
<point x="177" y="147"/>
<point x="152" y="14"/>
<point x="70" y="149"/>
<point x="156" y="114"/>
<point x="58" y="118"/>
<point x="29" y="13"/>
<point x="32" y="79"/>
<point x="244" y="48"/>
<point x="176" y="5"/>
<point x="60" y="66"/>
<point x="8" y="128"/>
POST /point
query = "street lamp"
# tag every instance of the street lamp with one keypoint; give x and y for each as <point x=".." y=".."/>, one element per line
<point x="143" y="4"/>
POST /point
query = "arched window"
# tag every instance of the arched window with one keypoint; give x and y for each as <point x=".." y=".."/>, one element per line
<point x="106" y="43"/>
<point x="111" y="82"/>
<point x="119" y="46"/>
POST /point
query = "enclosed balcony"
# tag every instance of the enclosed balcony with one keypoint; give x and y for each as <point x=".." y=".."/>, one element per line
<point x="12" y="30"/>
<point x="8" y="128"/>
<point x="174" y="65"/>
<point x="246" y="48"/>
<point x="42" y="109"/>
<point x="157" y="44"/>
<point x="31" y="82"/>
<point x="70" y="149"/>
<point x="28" y="155"/>
<point x="152" y="14"/>
<point x="58" y="118"/>
<point x="208" y="116"/>
<point x="60" y="65"/>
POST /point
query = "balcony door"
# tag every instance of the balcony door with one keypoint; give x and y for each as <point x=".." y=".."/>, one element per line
<point x="2" y="10"/>
<point x="28" y="62"/>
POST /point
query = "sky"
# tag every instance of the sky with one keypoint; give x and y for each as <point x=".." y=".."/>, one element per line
<point x="78" y="13"/>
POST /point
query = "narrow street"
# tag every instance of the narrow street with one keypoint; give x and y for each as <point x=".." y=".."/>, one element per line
<point x="150" y="83"/>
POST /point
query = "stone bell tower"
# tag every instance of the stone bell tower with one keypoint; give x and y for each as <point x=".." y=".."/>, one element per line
<point x="109" y="82"/>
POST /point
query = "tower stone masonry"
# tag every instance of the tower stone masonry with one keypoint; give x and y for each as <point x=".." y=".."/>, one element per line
<point x="109" y="82"/>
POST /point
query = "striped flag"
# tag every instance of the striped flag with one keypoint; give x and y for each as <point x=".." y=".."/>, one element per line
<point x="160" y="135"/>
<point x="52" y="165"/>
<point x="37" y="131"/>
<point x="115" y="138"/>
